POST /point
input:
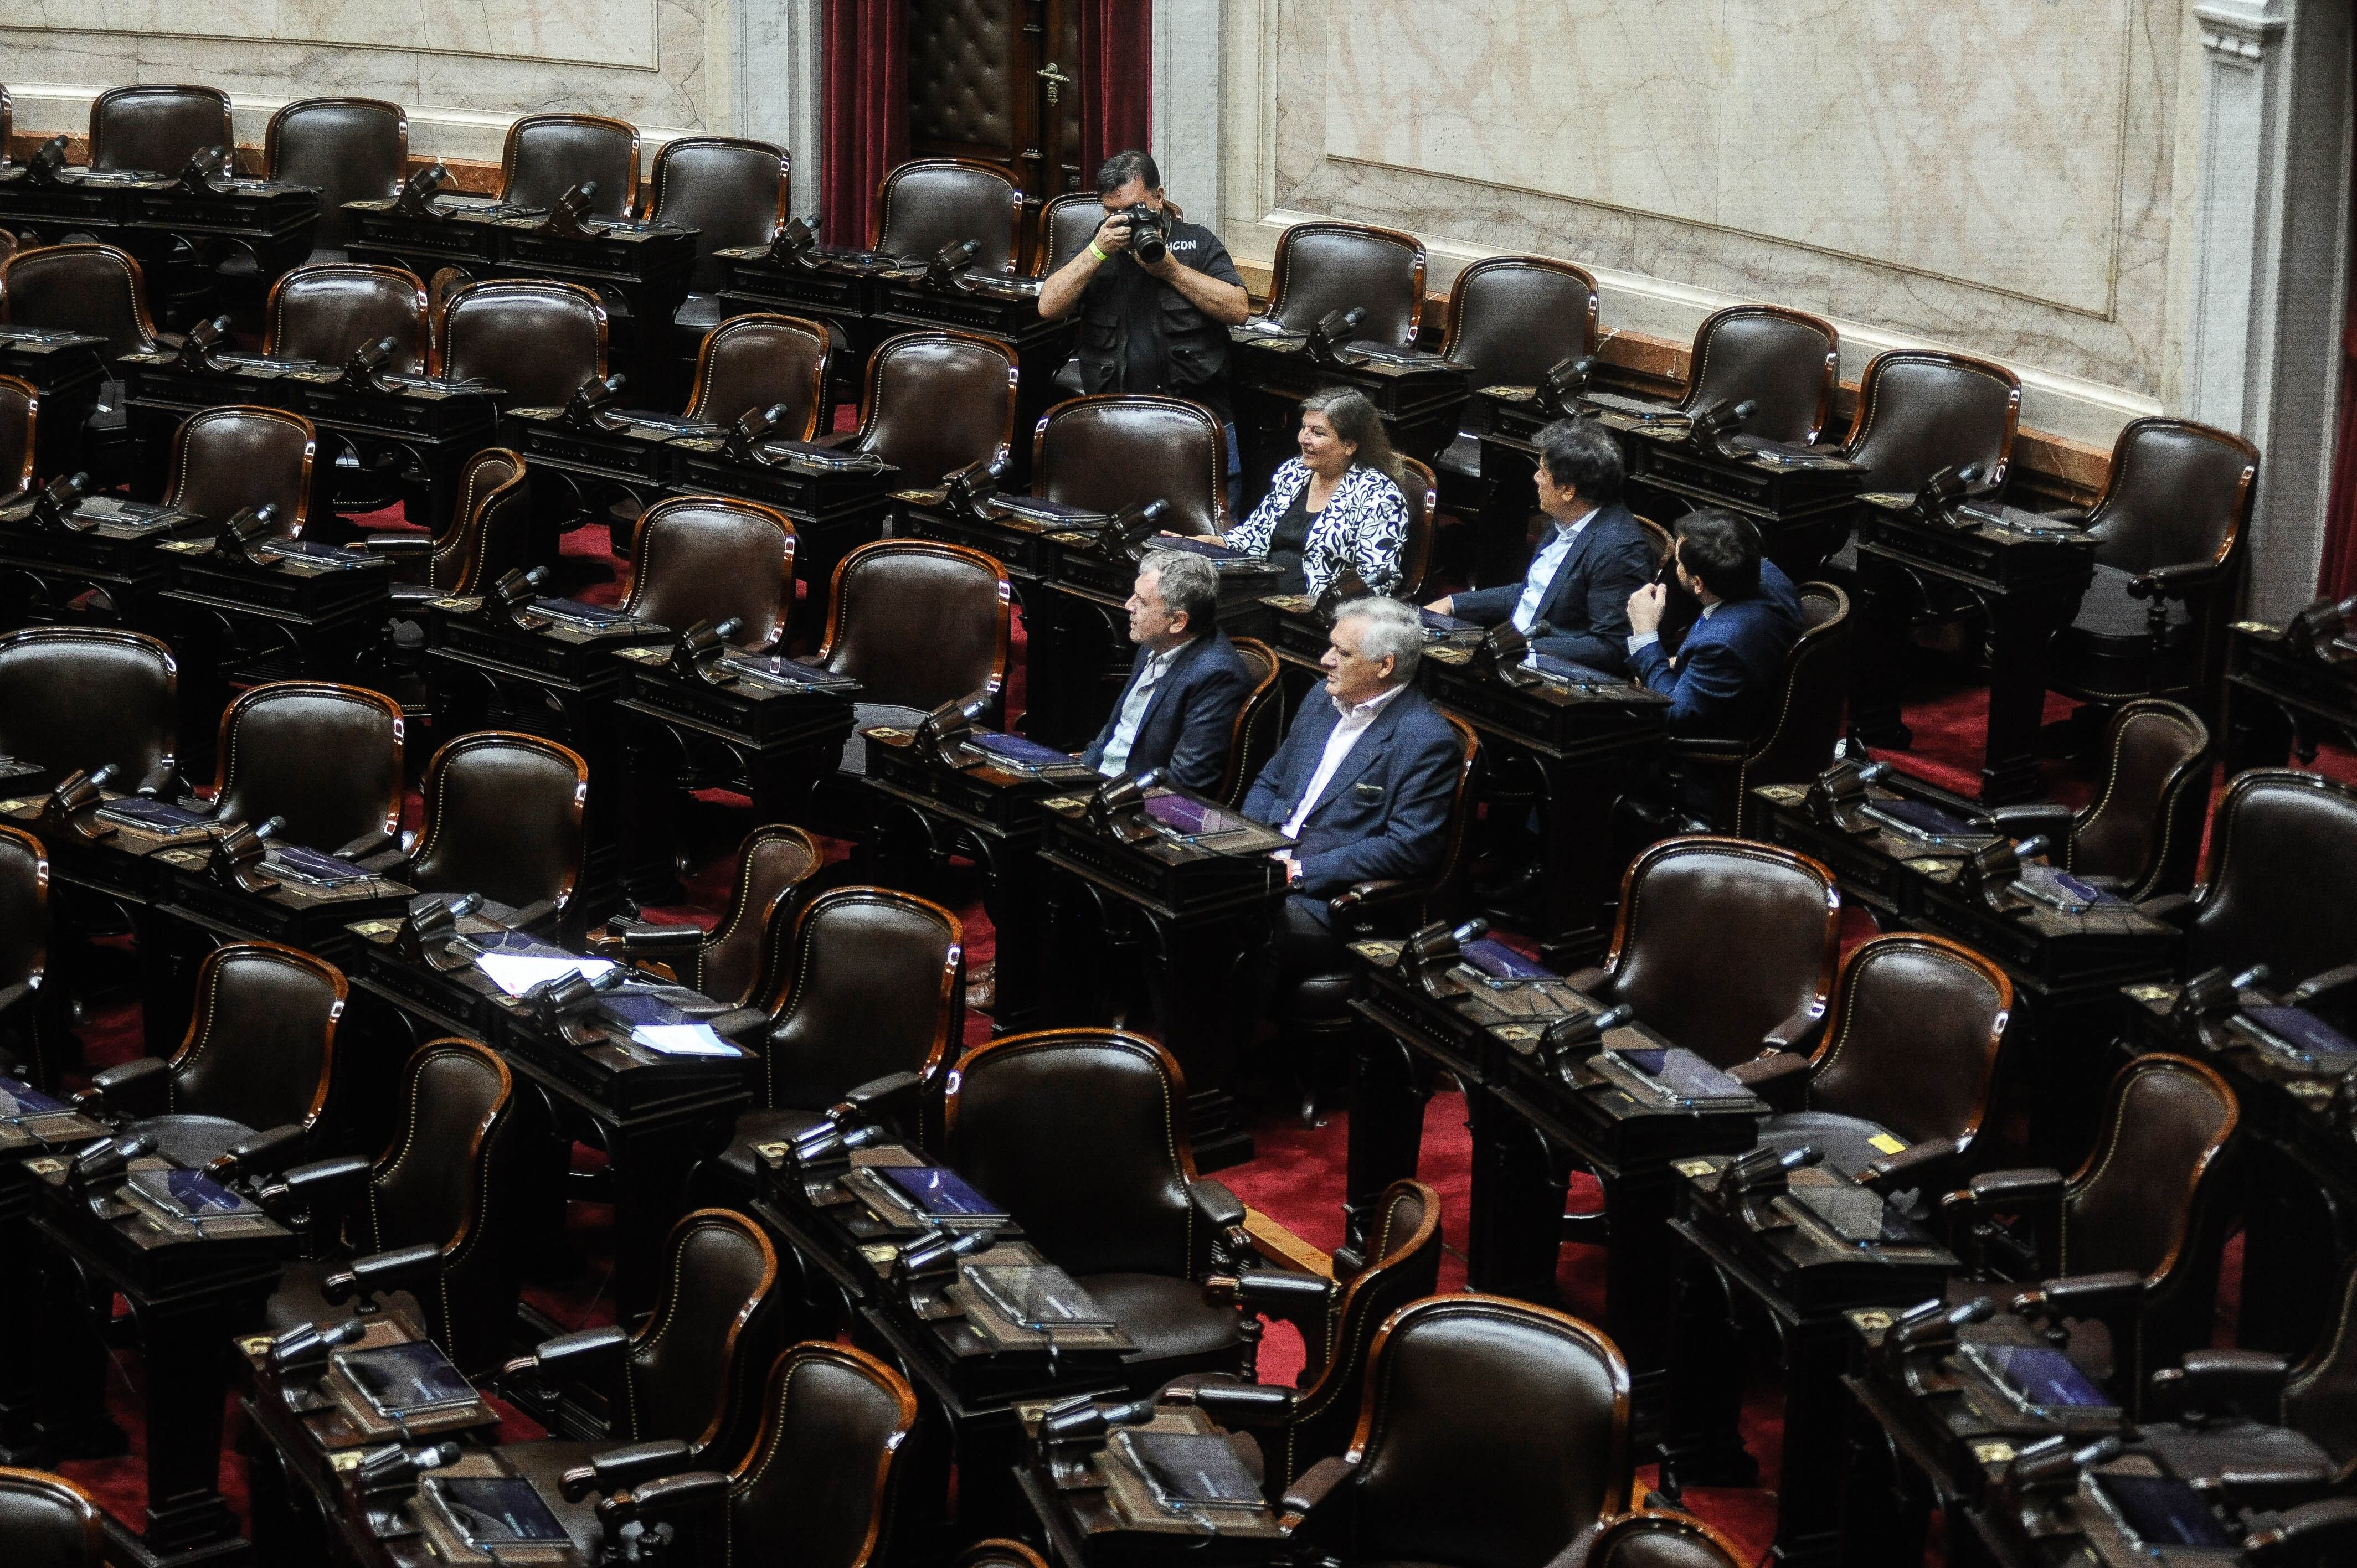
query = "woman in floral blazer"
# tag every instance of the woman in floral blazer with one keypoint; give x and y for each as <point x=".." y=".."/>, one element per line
<point x="1336" y="511"/>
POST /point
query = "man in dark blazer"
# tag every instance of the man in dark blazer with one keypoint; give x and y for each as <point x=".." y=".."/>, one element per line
<point x="1363" y="781"/>
<point x="1572" y="601"/>
<point x="1179" y="711"/>
<point x="1726" y="671"/>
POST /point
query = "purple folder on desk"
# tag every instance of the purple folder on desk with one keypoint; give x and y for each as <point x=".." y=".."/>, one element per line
<point x="1017" y="748"/>
<point x="1192" y="817"/>
<point x="1499" y="962"/>
<point x="1564" y="670"/>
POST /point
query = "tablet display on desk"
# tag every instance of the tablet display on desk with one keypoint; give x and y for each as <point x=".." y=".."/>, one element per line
<point x="319" y="870"/>
<point x="1682" y="1075"/>
<point x="1019" y="748"/>
<point x="1499" y="962"/>
<point x="2297" y="1033"/>
<point x="1209" y="548"/>
<point x="1188" y="1468"/>
<point x="573" y="612"/>
<point x="1193" y="819"/>
<point x="939" y="1193"/>
<point x="1922" y="820"/>
<point x="2039" y="1378"/>
<point x="1555" y="668"/>
<point x="155" y="816"/>
<point x="2157" y="1510"/>
<point x="495" y="1511"/>
<point x="406" y="1379"/>
<point x="1035" y="1295"/>
<point x="192" y="1195"/>
<point x="19" y="1100"/>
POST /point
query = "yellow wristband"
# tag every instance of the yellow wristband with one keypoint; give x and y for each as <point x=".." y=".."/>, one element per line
<point x="1097" y="253"/>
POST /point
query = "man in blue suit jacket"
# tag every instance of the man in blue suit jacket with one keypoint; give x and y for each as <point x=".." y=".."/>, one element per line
<point x="1363" y="781"/>
<point x="1179" y="711"/>
<point x="1573" y="602"/>
<point x="1726" y="671"/>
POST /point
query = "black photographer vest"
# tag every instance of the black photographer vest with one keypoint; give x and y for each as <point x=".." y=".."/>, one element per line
<point x="1140" y="335"/>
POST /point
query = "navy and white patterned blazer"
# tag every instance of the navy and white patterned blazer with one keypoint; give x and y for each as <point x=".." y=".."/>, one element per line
<point x="1362" y="529"/>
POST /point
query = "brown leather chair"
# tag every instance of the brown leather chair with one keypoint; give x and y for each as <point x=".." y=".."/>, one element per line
<point x="1510" y="320"/>
<point x="24" y="959"/>
<point x="354" y="149"/>
<point x="1812" y="691"/>
<point x="2283" y="855"/>
<point x="935" y="403"/>
<point x="962" y="599"/>
<point x="489" y="535"/>
<point x="1027" y="1114"/>
<point x="454" y="1176"/>
<point x="1783" y="360"/>
<point x="1921" y="410"/>
<point x="1260" y="723"/>
<point x="1116" y="449"/>
<point x="1520" y="1471"/>
<point x="686" y="1380"/>
<point x="713" y="558"/>
<point x="1656" y="1538"/>
<point x="502" y="819"/>
<point x="2322" y="1534"/>
<point x="226" y="459"/>
<point x="820" y="1486"/>
<point x="82" y="697"/>
<point x="732" y="192"/>
<point x="1067" y="224"/>
<point x="1327" y="266"/>
<point x="1422" y="496"/>
<point x="539" y="342"/>
<point x="330" y="310"/>
<point x="260" y="1053"/>
<point x="999" y="1553"/>
<point x="81" y="288"/>
<point x="2141" y="835"/>
<point x="547" y="155"/>
<point x="2127" y="1248"/>
<point x="926" y="203"/>
<point x="50" y="1522"/>
<point x="158" y="127"/>
<point x="731" y="964"/>
<point x="1911" y="1055"/>
<point x="324" y="757"/>
<point x="1677" y="960"/>
<point x="754" y="362"/>
<point x="20" y="412"/>
<point x="867" y="983"/>
<point x="2172" y="527"/>
<point x="7" y="244"/>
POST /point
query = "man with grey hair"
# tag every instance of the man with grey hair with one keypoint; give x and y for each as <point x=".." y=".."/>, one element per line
<point x="1179" y="711"/>
<point x="1363" y="781"/>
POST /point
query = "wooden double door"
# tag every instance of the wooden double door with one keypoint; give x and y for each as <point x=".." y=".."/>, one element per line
<point x="999" y="80"/>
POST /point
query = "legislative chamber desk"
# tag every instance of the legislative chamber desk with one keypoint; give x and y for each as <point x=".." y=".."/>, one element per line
<point x="2283" y="697"/>
<point x="843" y="290"/>
<point x="1535" y="1118"/>
<point x="103" y="567"/>
<point x="985" y="805"/>
<point x="1769" y="1254"/>
<point x="32" y="1126"/>
<point x="67" y="370"/>
<point x="1184" y="914"/>
<point x="272" y="610"/>
<point x="1418" y="395"/>
<point x="170" y="224"/>
<point x="656" y="1114"/>
<point x="979" y="1377"/>
<point x="1096" y="1510"/>
<point x="2027" y="570"/>
<point x="1007" y="311"/>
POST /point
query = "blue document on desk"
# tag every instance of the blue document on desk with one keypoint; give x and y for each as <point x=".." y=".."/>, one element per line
<point x="1499" y="962"/>
<point x="1023" y="752"/>
<point x="20" y="1100"/>
<point x="1557" y="668"/>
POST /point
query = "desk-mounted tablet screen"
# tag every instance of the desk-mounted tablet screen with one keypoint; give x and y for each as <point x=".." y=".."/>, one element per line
<point x="1927" y="823"/>
<point x="1019" y="749"/>
<point x="495" y="1511"/>
<point x="1036" y="1296"/>
<point x="18" y="1101"/>
<point x="319" y="870"/>
<point x="940" y="1193"/>
<point x="406" y="1379"/>
<point x="1186" y="1469"/>
<point x="1193" y="819"/>
<point x="192" y="1195"/>
<point x="2039" y="1380"/>
<point x="154" y="816"/>
<point x="1680" y="1075"/>
<point x="1499" y="962"/>
<point x="2157" y="1512"/>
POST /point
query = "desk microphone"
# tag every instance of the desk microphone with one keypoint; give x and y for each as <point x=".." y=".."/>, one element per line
<point x="942" y="271"/>
<point x="1940" y="1327"/>
<point x="751" y="426"/>
<point x="942" y="1251"/>
<point x="1083" y="1419"/>
<point x="306" y="1343"/>
<point x="360" y="369"/>
<point x="112" y="1158"/>
<point x="2054" y="1460"/>
<point x="54" y="507"/>
<point x="394" y="1468"/>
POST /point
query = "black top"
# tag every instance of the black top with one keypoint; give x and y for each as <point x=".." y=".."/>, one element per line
<point x="1139" y="314"/>
<point x="1287" y="541"/>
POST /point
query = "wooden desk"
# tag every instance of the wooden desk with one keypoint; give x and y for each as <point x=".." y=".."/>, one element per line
<point x="1096" y="1512"/>
<point x="1804" y="508"/>
<point x="843" y="290"/>
<point x="288" y="611"/>
<point x="36" y="1426"/>
<point x="837" y="501"/>
<point x="1005" y="310"/>
<point x="1419" y="396"/>
<point x="48" y="571"/>
<point x="2280" y="701"/>
<point x="67" y="370"/>
<point x="181" y="236"/>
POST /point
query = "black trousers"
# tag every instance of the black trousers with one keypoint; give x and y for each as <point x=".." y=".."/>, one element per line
<point x="1305" y="945"/>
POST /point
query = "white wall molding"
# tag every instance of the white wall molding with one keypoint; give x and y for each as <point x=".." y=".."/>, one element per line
<point x="1190" y="105"/>
<point x="778" y="73"/>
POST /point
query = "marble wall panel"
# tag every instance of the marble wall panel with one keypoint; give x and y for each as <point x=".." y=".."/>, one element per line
<point x="618" y="33"/>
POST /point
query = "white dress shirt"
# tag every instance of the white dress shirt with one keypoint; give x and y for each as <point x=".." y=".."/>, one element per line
<point x="1638" y="640"/>
<point x="1344" y="735"/>
<point x="1133" y="711"/>
<point x="1542" y="570"/>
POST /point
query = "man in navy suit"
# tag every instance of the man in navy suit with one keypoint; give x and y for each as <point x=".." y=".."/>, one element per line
<point x="1572" y="603"/>
<point x="1363" y="781"/>
<point x="1726" y="671"/>
<point x="1179" y="711"/>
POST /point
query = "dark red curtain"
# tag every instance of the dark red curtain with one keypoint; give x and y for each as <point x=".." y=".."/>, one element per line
<point x="1117" y="80"/>
<point x="2338" y="579"/>
<point x="864" y="108"/>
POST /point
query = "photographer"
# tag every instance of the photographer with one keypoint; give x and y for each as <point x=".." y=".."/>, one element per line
<point x="1157" y="294"/>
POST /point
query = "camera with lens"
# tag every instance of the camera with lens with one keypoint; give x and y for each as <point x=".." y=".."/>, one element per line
<point x="1146" y="235"/>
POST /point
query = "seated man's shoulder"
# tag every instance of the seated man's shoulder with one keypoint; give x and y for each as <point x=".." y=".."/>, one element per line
<point x="1220" y="658"/>
<point x="1423" y="723"/>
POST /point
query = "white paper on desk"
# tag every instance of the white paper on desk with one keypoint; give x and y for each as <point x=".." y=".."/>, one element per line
<point x="516" y="973"/>
<point x="682" y="1039"/>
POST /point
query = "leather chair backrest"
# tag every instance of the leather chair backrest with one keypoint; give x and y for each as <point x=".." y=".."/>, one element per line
<point x="1403" y="1247"/>
<point x="1780" y="359"/>
<point x="935" y="403"/>
<point x="1110" y="451"/>
<point x="816" y="1491"/>
<point x="1421" y="492"/>
<point x="490" y="529"/>
<point x="1327" y="265"/>
<point x="74" y="696"/>
<point x="1260" y="723"/>
<point x="19" y="416"/>
<point x="2283" y="855"/>
<point x="326" y="758"/>
<point x="2320" y="1397"/>
<point x="502" y="819"/>
<point x="1081" y="1135"/>
<point x="24" y="906"/>
<point x="960" y="597"/>
<point x="332" y="311"/>
<point x="2144" y="829"/>
<point x="1920" y="411"/>
<point x="50" y="1522"/>
<point x="152" y="127"/>
<point x="927" y="203"/>
<point x="1658" y="1538"/>
<point x="1000" y="1553"/>
<point x="753" y="362"/>
<point x="1504" y="1479"/>
<point x="1721" y="939"/>
<point x="1512" y="318"/>
<point x="226" y="459"/>
<point x="547" y="155"/>
<point x="79" y="287"/>
<point x="772" y="865"/>
<point x="1914" y="1037"/>
<point x="731" y="192"/>
<point x="354" y="149"/>
<point x="261" y="1045"/>
<point x="693" y="1368"/>
<point x="537" y="341"/>
<point x="709" y="558"/>
<point x="2131" y="1205"/>
<point x="869" y="986"/>
<point x="1812" y="698"/>
<point x="1067" y="224"/>
<point x="2179" y="492"/>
